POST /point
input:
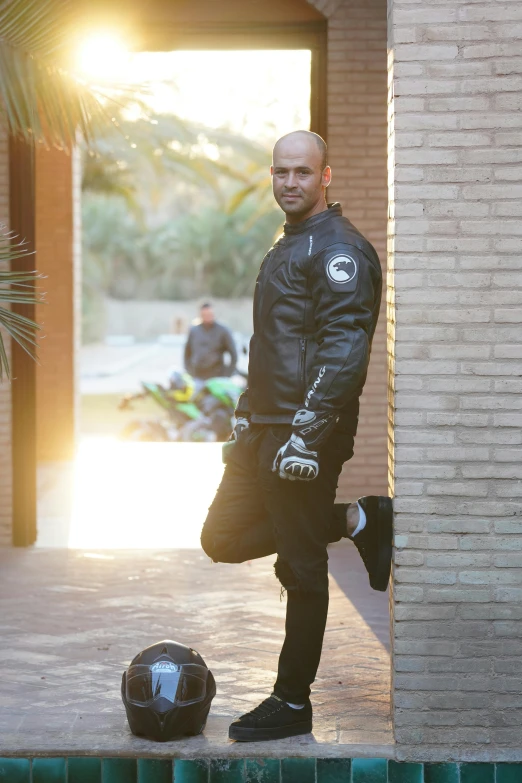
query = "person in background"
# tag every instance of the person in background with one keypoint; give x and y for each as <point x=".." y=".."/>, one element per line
<point x="206" y="346"/>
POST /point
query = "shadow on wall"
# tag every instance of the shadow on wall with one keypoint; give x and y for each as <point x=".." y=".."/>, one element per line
<point x="372" y="606"/>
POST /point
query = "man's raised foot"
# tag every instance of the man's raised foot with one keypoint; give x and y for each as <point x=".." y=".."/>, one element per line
<point x="374" y="540"/>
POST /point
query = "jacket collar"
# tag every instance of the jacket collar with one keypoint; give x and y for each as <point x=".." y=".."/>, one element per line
<point x="307" y="225"/>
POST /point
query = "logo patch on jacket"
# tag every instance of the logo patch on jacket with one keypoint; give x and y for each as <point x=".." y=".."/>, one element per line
<point x="342" y="270"/>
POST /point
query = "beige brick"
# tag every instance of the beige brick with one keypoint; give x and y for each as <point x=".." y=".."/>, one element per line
<point x="459" y="489"/>
<point x="421" y="611"/>
<point x="427" y="51"/>
<point x="458" y="33"/>
<point x="454" y="419"/>
<point x="412" y="86"/>
<point x="424" y="16"/>
<point x="459" y="69"/>
<point x="459" y="103"/>
<point x="414" y="647"/>
<point x="459" y="139"/>
<point x="491" y="12"/>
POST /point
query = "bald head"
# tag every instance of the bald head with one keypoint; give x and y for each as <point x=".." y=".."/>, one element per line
<point x="300" y="175"/>
<point x="308" y="138"/>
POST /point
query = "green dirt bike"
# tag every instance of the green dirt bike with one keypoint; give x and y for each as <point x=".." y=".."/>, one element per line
<point x="193" y="412"/>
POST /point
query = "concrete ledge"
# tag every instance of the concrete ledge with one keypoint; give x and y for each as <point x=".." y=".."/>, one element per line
<point x="108" y="735"/>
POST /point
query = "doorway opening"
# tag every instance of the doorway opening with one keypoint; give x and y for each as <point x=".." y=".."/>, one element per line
<point x="177" y="211"/>
<point x="137" y="587"/>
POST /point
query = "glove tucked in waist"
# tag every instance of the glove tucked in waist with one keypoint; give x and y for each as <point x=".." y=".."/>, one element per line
<point x="298" y="459"/>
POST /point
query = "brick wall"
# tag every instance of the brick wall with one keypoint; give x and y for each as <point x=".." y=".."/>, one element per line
<point x="5" y="388"/>
<point x="357" y="154"/>
<point x="455" y="258"/>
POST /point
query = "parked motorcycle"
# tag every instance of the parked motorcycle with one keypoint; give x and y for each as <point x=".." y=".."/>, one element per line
<point x="191" y="412"/>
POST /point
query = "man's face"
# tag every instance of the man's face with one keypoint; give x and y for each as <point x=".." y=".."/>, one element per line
<point x="298" y="179"/>
<point x="207" y="315"/>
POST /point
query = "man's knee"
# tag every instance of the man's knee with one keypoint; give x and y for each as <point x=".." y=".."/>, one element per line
<point x="221" y="548"/>
<point x="301" y="578"/>
<point x="208" y="544"/>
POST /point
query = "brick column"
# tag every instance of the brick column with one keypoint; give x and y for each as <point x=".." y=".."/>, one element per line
<point x="5" y="387"/>
<point x="56" y="403"/>
<point x="357" y="154"/>
<point x="456" y="338"/>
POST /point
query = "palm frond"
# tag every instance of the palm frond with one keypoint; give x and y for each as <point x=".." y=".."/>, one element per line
<point x="16" y="288"/>
<point x="39" y="100"/>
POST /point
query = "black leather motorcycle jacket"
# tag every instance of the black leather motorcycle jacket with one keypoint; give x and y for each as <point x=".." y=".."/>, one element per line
<point x="316" y="305"/>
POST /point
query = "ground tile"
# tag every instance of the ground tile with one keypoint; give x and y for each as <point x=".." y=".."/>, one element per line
<point x="404" y="773"/>
<point x="508" y="773"/>
<point x="441" y="773"/>
<point x="119" y="771"/>
<point x="73" y="714"/>
<point x="49" y="771"/>
<point x="154" y="771"/>
<point x="186" y="771"/>
<point x="333" y="770"/>
<point x="84" y="770"/>
<point x="477" y="773"/>
<point x="15" y="771"/>
<point x="226" y="770"/>
<point x="298" y="770"/>
<point x="262" y="771"/>
<point x="369" y="770"/>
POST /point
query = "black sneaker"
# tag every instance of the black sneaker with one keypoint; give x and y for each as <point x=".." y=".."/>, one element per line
<point x="273" y="719"/>
<point x="374" y="542"/>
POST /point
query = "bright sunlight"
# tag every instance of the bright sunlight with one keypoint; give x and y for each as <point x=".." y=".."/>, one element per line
<point x="148" y="495"/>
<point x="245" y="91"/>
<point x="143" y="246"/>
<point x="103" y="56"/>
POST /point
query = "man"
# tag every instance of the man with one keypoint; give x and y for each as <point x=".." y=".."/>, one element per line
<point x="316" y="305"/>
<point x="206" y="345"/>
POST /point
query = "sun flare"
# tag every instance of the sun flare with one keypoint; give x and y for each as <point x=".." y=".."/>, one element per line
<point x="103" y="56"/>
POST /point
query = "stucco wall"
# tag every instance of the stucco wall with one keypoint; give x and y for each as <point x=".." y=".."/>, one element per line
<point x="456" y="361"/>
<point x="5" y="388"/>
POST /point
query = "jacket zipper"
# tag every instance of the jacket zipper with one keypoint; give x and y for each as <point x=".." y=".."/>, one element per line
<point x="302" y="361"/>
<point x="261" y="278"/>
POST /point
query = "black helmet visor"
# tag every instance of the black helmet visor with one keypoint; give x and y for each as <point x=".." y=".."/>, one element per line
<point x="179" y="684"/>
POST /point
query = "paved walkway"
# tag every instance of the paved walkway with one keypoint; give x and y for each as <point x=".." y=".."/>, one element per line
<point x="71" y="620"/>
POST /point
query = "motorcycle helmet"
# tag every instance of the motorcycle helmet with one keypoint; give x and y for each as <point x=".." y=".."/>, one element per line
<point x="167" y="691"/>
<point x="181" y="386"/>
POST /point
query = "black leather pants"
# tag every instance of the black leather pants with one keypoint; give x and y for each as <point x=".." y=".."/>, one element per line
<point x="255" y="513"/>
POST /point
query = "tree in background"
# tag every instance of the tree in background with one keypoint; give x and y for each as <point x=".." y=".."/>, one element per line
<point x="40" y="102"/>
<point x="172" y="210"/>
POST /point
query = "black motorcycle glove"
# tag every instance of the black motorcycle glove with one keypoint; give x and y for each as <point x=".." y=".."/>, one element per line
<point x="242" y="424"/>
<point x="298" y="459"/>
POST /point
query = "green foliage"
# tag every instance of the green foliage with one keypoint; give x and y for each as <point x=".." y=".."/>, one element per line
<point x="16" y="288"/>
<point x="172" y="210"/>
<point x="39" y="100"/>
<point x="142" y="158"/>
<point x="205" y="253"/>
